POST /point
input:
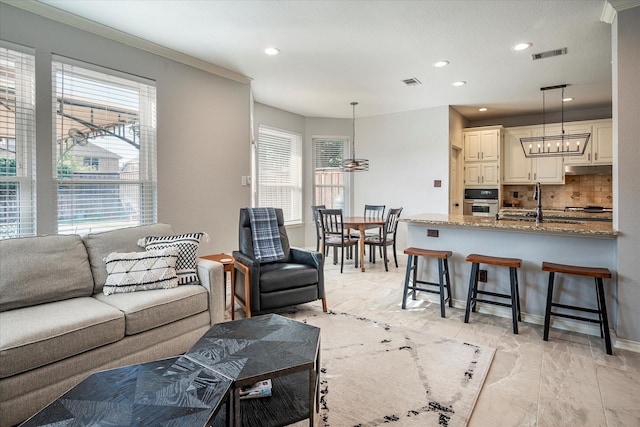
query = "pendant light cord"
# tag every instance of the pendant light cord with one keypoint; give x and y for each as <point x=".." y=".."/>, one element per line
<point x="353" y="143"/>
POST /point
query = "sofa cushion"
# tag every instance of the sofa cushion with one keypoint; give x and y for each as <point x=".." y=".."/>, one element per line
<point x="141" y="271"/>
<point x="282" y="276"/>
<point x="150" y="309"/>
<point x="187" y="245"/>
<point x="41" y="269"/>
<point x="99" y="245"/>
<point x="42" y="334"/>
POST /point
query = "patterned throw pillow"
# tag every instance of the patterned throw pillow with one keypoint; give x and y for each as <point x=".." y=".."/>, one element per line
<point x="141" y="271"/>
<point x="187" y="245"/>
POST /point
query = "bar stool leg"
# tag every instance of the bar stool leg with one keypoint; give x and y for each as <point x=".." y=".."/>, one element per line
<point x="605" y="320"/>
<point x="547" y="313"/>
<point x="448" y="282"/>
<point x="406" y="282"/>
<point x="518" y="295"/>
<point x="473" y="282"/>
<point x="415" y="277"/>
<point x="440" y="275"/>
<point x="514" y="299"/>
<point x="475" y="288"/>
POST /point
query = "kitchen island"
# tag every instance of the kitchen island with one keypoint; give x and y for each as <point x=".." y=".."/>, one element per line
<point x="562" y="240"/>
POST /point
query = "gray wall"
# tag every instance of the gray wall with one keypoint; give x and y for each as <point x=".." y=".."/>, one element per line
<point x="203" y="128"/>
<point x="284" y="120"/>
<point x="626" y="189"/>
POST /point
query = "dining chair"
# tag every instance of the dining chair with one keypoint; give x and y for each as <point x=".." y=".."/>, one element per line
<point x="334" y="235"/>
<point x="387" y="238"/>
<point x="316" y="221"/>
<point x="374" y="212"/>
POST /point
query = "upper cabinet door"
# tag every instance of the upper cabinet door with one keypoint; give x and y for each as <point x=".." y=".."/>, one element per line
<point x="587" y="157"/>
<point x="489" y="145"/>
<point x="602" y="149"/>
<point x="472" y="146"/>
<point x="516" y="167"/>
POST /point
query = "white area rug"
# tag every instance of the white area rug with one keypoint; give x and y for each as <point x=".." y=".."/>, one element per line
<point x="374" y="373"/>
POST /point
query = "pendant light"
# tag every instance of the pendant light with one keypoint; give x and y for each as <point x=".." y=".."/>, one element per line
<point x="353" y="164"/>
<point x="554" y="145"/>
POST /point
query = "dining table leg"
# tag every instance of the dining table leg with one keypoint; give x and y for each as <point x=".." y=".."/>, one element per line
<point x="361" y="228"/>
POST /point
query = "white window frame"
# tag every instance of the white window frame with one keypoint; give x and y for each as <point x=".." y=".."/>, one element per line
<point x="279" y="166"/>
<point x="24" y="142"/>
<point x="140" y="189"/>
<point x="346" y="177"/>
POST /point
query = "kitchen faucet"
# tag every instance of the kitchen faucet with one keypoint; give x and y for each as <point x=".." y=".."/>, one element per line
<point x="537" y="195"/>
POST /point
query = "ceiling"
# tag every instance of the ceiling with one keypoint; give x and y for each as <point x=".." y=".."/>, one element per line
<point x="335" y="52"/>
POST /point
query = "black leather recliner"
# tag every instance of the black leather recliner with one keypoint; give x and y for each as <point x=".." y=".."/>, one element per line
<point x="261" y="287"/>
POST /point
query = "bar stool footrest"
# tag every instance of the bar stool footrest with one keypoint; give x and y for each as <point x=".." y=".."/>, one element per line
<point x="571" y="316"/>
<point x="486" y="301"/>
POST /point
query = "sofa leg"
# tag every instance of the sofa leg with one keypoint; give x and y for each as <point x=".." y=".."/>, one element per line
<point x="324" y="305"/>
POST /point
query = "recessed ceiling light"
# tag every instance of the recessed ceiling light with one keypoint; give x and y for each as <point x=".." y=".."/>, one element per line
<point x="567" y="99"/>
<point x="441" y="64"/>
<point x="459" y="83"/>
<point x="272" y="51"/>
<point x="482" y="109"/>
<point x="522" y="46"/>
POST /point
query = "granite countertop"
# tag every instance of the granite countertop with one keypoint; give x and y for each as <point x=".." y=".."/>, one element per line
<point x="568" y="227"/>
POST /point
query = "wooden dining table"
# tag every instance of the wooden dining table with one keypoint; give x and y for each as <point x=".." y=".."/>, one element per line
<point x="361" y="224"/>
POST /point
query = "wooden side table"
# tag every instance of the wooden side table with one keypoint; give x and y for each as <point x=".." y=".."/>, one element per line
<point x="228" y="263"/>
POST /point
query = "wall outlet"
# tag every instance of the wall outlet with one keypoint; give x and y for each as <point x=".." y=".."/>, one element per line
<point x="515" y="194"/>
<point x="433" y="233"/>
<point x="437" y="183"/>
<point x="482" y="277"/>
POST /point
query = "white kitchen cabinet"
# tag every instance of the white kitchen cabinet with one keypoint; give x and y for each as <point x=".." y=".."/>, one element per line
<point x="602" y="148"/>
<point x="599" y="150"/>
<point x="518" y="169"/>
<point x="481" y="174"/>
<point x="482" y="145"/>
<point x="482" y="156"/>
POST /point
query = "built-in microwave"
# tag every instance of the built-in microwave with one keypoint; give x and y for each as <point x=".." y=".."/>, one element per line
<point x="480" y="201"/>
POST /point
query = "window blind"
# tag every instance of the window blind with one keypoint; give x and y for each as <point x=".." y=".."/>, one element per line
<point x="329" y="179"/>
<point x="279" y="170"/>
<point x="104" y="146"/>
<point x="17" y="142"/>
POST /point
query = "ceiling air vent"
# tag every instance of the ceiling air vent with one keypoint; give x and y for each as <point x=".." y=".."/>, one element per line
<point x="412" y="82"/>
<point x="549" y="53"/>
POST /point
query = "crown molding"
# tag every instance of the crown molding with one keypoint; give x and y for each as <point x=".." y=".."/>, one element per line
<point x="619" y="5"/>
<point x="84" y="24"/>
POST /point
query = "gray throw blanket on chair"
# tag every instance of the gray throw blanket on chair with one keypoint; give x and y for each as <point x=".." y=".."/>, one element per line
<point x="267" y="245"/>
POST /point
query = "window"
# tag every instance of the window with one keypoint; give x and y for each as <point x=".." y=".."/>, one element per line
<point x="17" y="143"/>
<point x="279" y="172"/>
<point x="104" y="148"/>
<point x="329" y="179"/>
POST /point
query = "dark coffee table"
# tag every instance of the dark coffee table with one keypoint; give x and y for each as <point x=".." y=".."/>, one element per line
<point x="170" y="392"/>
<point x="257" y="348"/>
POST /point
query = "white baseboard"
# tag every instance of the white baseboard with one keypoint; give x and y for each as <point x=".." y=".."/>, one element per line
<point x="558" y="323"/>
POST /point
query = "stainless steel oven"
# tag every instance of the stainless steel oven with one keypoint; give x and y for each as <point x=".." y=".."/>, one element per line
<point x="480" y="201"/>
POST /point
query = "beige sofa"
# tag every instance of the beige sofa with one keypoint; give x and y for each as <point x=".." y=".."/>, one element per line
<point x="57" y="326"/>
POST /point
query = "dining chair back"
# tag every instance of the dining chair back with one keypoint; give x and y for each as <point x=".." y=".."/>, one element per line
<point x="374" y="211"/>
<point x="387" y="238"/>
<point x="333" y="233"/>
<point x="318" y="224"/>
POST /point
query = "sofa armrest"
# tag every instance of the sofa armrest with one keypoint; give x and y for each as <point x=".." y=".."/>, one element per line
<point x="211" y="276"/>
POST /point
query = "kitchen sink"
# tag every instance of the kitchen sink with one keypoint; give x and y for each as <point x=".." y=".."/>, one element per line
<point x="546" y="220"/>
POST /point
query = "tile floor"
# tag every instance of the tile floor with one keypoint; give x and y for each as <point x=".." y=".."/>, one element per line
<point x="567" y="381"/>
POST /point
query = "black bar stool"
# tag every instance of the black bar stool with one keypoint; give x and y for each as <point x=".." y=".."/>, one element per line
<point x="514" y="297"/>
<point x="443" y="275"/>
<point x="598" y="274"/>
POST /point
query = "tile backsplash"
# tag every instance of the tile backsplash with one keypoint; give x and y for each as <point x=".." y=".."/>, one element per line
<point x="578" y="190"/>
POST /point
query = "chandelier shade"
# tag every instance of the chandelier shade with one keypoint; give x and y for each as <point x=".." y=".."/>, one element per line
<point x="353" y="164"/>
<point x="554" y="145"/>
